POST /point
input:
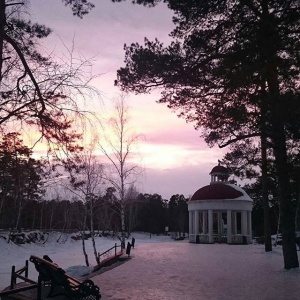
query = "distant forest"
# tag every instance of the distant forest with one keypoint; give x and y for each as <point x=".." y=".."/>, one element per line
<point x="23" y="204"/>
<point x="148" y="213"/>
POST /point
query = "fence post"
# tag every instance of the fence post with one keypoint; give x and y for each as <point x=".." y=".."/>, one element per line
<point x="39" y="288"/>
<point x="12" y="278"/>
<point x="26" y="268"/>
<point x="128" y="249"/>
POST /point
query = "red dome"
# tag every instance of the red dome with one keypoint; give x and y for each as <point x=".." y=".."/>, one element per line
<point x="217" y="191"/>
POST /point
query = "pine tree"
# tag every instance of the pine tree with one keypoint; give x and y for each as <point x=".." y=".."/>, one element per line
<point x="36" y="90"/>
<point x="20" y="179"/>
<point x="226" y="57"/>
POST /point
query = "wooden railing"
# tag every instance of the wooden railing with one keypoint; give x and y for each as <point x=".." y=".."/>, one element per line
<point x="106" y="255"/>
<point x="13" y="281"/>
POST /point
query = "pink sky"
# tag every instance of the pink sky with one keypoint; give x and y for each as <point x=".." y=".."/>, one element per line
<point x="175" y="159"/>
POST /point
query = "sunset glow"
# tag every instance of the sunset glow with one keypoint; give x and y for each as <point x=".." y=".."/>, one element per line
<point x="169" y="149"/>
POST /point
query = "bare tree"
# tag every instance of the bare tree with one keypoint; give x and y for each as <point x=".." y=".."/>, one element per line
<point x="86" y="183"/>
<point x="40" y="90"/>
<point x="131" y="207"/>
<point x="118" y="148"/>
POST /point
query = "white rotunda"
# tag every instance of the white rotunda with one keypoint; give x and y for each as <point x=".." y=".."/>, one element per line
<point x="220" y="212"/>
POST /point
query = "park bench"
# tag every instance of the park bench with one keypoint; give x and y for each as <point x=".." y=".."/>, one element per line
<point x="51" y="275"/>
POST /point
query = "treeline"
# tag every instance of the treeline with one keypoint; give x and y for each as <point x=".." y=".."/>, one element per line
<point x="147" y="212"/>
<point x="23" y="204"/>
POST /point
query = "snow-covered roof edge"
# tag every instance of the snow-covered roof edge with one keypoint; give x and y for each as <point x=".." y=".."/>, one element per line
<point x="245" y="195"/>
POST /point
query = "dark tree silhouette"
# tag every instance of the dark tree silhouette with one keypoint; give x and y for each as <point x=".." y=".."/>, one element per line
<point x="37" y="90"/>
<point x="227" y="57"/>
<point x="20" y="179"/>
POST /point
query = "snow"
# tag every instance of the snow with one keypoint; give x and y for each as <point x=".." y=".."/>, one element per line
<point x="67" y="255"/>
<point x="238" y="188"/>
<point x="161" y="268"/>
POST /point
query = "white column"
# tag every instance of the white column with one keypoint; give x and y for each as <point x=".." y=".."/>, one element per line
<point x="196" y="222"/>
<point x="234" y="229"/>
<point x="204" y="214"/>
<point x="219" y="225"/>
<point x="210" y="226"/>
<point x="190" y="222"/>
<point x="229" y="230"/>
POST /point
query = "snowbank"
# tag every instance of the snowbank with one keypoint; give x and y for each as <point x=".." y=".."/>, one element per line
<point x="67" y="253"/>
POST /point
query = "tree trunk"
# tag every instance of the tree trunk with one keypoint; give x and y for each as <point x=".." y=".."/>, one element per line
<point x="17" y="224"/>
<point x="279" y="145"/>
<point x="1" y="207"/>
<point x="33" y="220"/>
<point x="286" y="207"/>
<point x="267" y="224"/>
<point x="51" y="217"/>
<point x="2" y="24"/>
<point x="264" y="176"/>
<point x="83" y="240"/>
<point x="86" y="258"/>
<point x="297" y="225"/>
<point x="93" y="234"/>
<point x="41" y="215"/>
<point x="287" y="214"/>
<point x="122" y="225"/>
<point x="269" y="39"/>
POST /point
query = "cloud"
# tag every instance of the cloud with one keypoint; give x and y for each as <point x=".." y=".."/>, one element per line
<point x="184" y="180"/>
<point x="175" y="158"/>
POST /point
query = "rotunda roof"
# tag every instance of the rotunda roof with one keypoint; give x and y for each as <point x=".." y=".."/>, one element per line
<point x="219" y="170"/>
<point x="218" y="191"/>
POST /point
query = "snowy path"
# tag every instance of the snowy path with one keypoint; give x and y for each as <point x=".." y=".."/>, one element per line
<point x="179" y="270"/>
<point x="162" y="269"/>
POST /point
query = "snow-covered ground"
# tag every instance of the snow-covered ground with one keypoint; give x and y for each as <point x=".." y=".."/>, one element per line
<point x="164" y="269"/>
<point x="68" y="254"/>
<point x="180" y="270"/>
